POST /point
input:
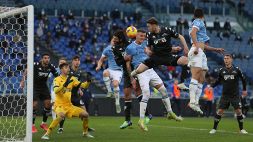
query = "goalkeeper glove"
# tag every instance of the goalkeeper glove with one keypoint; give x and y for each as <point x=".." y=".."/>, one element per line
<point x="67" y="81"/>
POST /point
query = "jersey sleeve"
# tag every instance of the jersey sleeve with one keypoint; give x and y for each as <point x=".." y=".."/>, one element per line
<point x="149" y="40"/>
<point x="105" y="52"/>
<point x="244" y="83"/>
<point x="54" y="71"/>
<point x="130" y="51"/>
<point x="171" y="32"/>
<point x="218" y="81"/>
<point x="197" y="24"/>
<point x="57" y="85"/>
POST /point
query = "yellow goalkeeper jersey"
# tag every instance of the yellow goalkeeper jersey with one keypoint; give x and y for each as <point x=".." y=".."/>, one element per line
<point x="63" y="94"/>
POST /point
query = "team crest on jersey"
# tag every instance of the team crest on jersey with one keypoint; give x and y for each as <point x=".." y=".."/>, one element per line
<point x="224" y="71"/>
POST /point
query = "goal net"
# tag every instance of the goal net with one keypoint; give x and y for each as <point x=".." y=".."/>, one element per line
<point x="16" y="54"/>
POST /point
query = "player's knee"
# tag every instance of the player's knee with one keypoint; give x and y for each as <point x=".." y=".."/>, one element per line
<point x="84" y="115"/>
<point x="182" y="60"/>
<point x="61" y="115"/>
<point x="238" y="112"/>
<point x="106" y="73"/>
<point x="115" y="83"/>
<point x="220" y="112"/>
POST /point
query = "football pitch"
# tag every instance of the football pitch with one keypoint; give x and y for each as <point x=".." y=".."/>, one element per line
<point x="160" y="130"/>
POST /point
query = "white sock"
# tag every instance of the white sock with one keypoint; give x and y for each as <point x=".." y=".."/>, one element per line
<point x="143" y="107"/>
<point x="116" y="94"/>
<point x="193" y="90"/>
<point x="198" y="93"/>
<point x="107" y="82"/>
<point x="166" y="99"/>
<point x="53" y="114"/>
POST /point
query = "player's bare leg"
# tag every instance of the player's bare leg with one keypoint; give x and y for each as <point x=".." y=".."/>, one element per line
<point x="35" y="108"/>
<point x="193" y="88"/>
<point x="46" y="113"/>
<point x="116" y="90"/>
<point x="141" y="68"/>
<point x="107" y="81"/>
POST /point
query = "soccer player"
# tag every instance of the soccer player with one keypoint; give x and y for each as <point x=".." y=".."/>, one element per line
<point x="76" y="91"/>
<point x="135" y="53"/>
<point x="42" y="70"/>
<point x="111" y="75"/>
<point x="229" y="77"/>
<point x="160" y="49"/>
<point x="61" y="60"/>
<point x="63" y="86"/>
<point x="118" y="51"/>
<point x="197" y="58"/>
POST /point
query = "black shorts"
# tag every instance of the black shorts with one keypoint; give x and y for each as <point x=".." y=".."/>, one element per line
<point x="156" y="60"/>
<point x="41" y="93"/>
<point x="226" y="101"/>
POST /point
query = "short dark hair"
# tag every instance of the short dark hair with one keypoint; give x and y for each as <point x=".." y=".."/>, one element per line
<point x="76" y="57"/>
<point x="119" y="34"/>
<point x="141" y="31"/>
<point x="63" y="65"/>
<point x="62" y="58"/>
<point x="44" y="54"/>
<point x="228" y="55"/>
<point x="198" y="13"/>
<point x="152" y="20"/>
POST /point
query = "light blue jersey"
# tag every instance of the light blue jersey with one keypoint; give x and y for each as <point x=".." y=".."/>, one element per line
<point x="201" y="33"/>
<point x="137" y="52"/>
<point x="107" y="52"/>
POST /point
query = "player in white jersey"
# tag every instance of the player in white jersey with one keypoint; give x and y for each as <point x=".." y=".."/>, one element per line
<point x="135" y="54"/>
<point x="111" y="75"/>
<point x="197" y="58"/>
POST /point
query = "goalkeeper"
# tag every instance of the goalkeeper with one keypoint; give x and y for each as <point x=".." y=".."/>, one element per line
<point x="63" y="85"/>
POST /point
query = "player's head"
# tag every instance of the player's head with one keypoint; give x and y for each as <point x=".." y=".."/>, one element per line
<point x="152" y="24"/>
<point x="228" y="59"/>
<point x="45" y="59"/>
<point x="119" y="37"/>
<point x="76" y="61"/>
<point x="61" y="61"/>
<point x="64" y="67"/>
<point x="140" y="36"/>
<point x="198" y="13"/>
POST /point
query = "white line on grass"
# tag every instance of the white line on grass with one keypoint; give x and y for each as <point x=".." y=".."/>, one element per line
<point x="198" y="129"/>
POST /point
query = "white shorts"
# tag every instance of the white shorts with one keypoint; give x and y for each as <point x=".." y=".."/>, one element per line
<point x="115" y="74"/>
<point x="148" y="78"/>
<point x="198" y="60"/>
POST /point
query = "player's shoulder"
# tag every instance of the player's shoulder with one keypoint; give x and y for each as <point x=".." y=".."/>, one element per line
<point x="36" y="63"/>
<point x="58" y="78"/>
<point x="237" y="68"/>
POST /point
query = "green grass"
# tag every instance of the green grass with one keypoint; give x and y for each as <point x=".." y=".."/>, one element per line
<point x="160" y="130"/>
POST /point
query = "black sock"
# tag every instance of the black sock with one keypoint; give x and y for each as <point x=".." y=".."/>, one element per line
<point x="61" y="123"/>
<point x="217" y="119"/>
<point x="128" y="106"/>
<point x="184" y="73"/>
<point x="139" y="99"/>
<point x="46" y="113"/>
<point x="240" y="121"/>
<point x="34" y="116"/>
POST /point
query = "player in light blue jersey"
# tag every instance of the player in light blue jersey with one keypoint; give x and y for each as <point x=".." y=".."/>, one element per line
<point x="197" y="58"/>
<point x="136" y="54"/>
<point x="113" y="74"/>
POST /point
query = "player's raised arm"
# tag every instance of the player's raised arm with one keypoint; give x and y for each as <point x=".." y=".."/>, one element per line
<point x="54" y="71"/>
